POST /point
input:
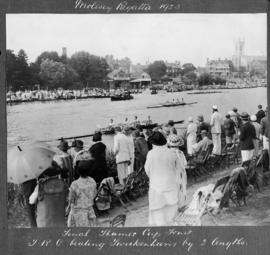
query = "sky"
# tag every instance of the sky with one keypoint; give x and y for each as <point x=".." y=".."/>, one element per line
<point x="141" y="37"/>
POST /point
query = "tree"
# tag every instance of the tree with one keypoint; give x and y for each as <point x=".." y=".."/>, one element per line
<point x="219" y="81"/>
<point x="19" y="75"/>
<point x="51" y="55"/>
<point x="156" y="70"/>
<point x="92" y="70"/>
<point x="190" y="77"/>
<point x="56" y="74"/>
<point x="205" y="79"/>
<point x="187" y="68"/>
<point x="11" y="66"/>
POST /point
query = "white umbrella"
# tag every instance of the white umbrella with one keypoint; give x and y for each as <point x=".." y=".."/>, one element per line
<point x="28" y="162"/>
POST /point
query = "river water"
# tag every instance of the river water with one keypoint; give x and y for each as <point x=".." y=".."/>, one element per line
<point x="51" y="120"/>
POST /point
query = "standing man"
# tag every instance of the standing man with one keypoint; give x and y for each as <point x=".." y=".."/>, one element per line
<point x="229" y="128"/>
<point x="247" y="138"/>
<point x="215" y="123"/>
<point x="260" y="114"/>
<point x="257" y="126"/>
<point x="202" y="125"/>
<point x="264" y="130"/>
<point x="265" y="138"/>
<point x="123" y="154"/>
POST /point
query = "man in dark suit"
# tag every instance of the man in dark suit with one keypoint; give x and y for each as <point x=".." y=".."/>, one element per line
<point x="247" y="137"/>
<point x="260" y="114"/>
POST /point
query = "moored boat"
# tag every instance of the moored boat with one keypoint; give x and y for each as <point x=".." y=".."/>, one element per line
<point x="121" y="97"/>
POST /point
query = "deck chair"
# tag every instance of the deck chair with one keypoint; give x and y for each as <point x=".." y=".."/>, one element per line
<point x="197" y="166"/>
<point x="234" y="187"/>
<point x="233" y="155"/>
<point x="117" y="221"/>
<point x="120" y="191"/>
<point x="141" y="182"/>
<point x="191" y="214"/>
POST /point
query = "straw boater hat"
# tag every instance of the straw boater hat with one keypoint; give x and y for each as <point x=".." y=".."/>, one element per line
<point x="157" y="138"/>
<point x="253" y="118"/>
<point x="78" y="144"/>
<point x="214" y="107"/>
<point x="203" y="132"/>
<point x="244" y="116"/>
<point x="175" y="141"/>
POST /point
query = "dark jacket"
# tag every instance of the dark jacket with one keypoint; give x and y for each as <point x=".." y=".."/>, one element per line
<point x="264" y="126"/>
<point x="247" y="134"/>
<point x="260" y="114"/>
<point x="99" y="169"/>
<point x="141" y="150"/>
<point x="229" y="127"/>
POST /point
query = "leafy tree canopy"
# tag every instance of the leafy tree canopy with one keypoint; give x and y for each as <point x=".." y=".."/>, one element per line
<point x="156" y="70"/>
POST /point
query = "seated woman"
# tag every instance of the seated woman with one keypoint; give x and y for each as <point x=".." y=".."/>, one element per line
<point x="81" y="199"/>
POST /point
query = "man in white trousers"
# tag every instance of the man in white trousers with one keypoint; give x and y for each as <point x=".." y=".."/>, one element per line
<point x="215" y="123"/>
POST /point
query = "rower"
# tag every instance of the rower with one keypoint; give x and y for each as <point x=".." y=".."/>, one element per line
<point x="149" y="121"/>
<point x="126" y="121"/>
<point x="136" y="121"/>
<point x="111" y="124"/>
<point x="171" y="127"/>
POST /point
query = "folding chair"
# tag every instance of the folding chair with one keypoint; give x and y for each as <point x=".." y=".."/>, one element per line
<point x="197" y="166"/>
<point x="117" y="221"/>
<point x="190" y="217"/>
<point x="120" y="191"/>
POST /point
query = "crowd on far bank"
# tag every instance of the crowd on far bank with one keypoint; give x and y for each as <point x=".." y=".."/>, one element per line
<point x="161" y="152"/>
<point x="56" y="94"/>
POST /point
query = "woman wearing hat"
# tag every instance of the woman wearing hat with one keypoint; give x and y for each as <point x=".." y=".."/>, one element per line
<point x="191" y="135"/>
<point x="64" y="159"/>
<point x="161" y="168"/>
<point x="174" y="142"/>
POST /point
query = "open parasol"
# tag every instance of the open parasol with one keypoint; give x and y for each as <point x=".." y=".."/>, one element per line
<point x="28" y="162"/>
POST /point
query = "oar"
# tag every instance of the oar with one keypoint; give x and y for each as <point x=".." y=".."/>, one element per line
<point x="74" y="137"/>
<point x="90" y="135"/>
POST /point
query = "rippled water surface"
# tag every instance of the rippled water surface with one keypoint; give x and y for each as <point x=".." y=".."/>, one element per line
<point x="52" y="120"/>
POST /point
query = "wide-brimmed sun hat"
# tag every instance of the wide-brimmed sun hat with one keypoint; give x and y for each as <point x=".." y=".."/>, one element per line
<point x="244" y="116"/>
<point x="175" y="141"/>
<point x="157" y="138"/>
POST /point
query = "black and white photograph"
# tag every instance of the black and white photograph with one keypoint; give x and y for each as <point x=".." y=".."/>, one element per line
<point x="137" y="120"/>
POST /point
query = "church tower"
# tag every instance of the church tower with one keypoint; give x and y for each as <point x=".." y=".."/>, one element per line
<point x="238" y="56"/>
